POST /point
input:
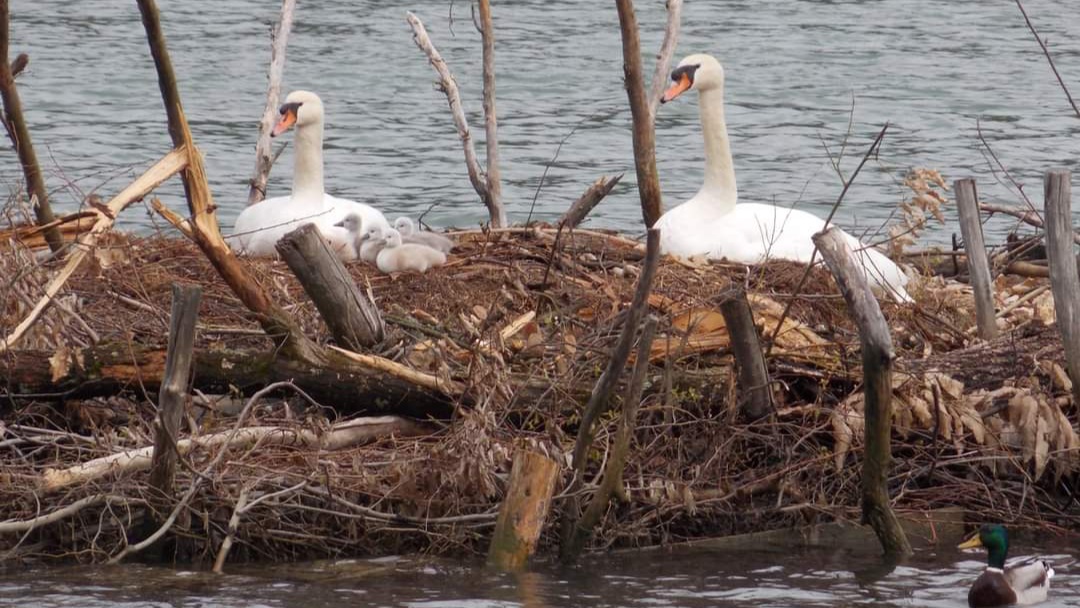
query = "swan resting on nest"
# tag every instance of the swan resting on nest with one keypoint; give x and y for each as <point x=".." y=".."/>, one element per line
<point x="711" y="224"/>
<point x="260" y="226"/>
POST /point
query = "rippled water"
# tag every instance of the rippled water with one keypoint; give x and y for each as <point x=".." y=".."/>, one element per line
<point x="794" y="70"/>
<point x="687" y="578"/>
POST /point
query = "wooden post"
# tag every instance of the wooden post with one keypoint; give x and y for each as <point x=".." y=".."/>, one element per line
<point x="589" y="199"/>
<point x="967" y="201"/>
<point x="613" y="470"/>
<point x="20" y="136"/>
<point x="1063" y="278"/>
<point x="523" y="512"/>
<point x="756" y="398"/>
<point x="353" y="319"/>
<point x="644" y="132"/>
<point x="877" y="358"/>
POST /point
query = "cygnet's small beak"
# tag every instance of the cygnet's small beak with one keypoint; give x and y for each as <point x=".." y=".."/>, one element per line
<point x="340" y="224"/>
<point x="287" y="120"/>
<point x="678" y="88"/>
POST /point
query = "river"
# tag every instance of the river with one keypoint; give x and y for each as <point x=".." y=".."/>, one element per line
<point x="795" y="70"/>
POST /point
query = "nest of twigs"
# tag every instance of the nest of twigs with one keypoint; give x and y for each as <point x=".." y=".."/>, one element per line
<point x="695" y="468"/>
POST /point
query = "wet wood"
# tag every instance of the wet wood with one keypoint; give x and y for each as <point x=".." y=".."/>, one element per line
<point x="264" y="157"/>
<point x="1064" y="281"/>
<point x="585" y="204"/>
<point x="15" y="124"/>
<point x="755" y="397"/>
<point x="353" y="319"/>
<point x="523" y="511"/>
<point x="644" y="134"/>
<point x="877" y="360"/>
<point x="173" y="393"/>
<point x="967" y="202"/>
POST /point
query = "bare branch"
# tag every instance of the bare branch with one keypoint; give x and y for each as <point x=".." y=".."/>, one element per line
<point x="1050" y="59"/>
<point x="491" y="137"/>
<point x="264" y="158"/>
<point x="667" y="50"/>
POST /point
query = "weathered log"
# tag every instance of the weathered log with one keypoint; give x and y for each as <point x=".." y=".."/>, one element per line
<point x="589" y="199"/>
<point x="648" y="178"/>
<point x="967" y="202"/>
<point x="172" y="395"/>
<point x="20" y="136"/>
<point x="108" y="368"/>
<point x="877" y="360"/>
<point x="353" y="319"/>
<point x="1063" y="278"/>
<point x="523" y="511"/>
<point x="755" y="401"/>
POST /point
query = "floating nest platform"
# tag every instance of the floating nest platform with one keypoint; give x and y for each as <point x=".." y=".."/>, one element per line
<point x="520" y="323"/>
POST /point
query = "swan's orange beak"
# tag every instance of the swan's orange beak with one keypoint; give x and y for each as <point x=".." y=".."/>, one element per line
<point x="287" y="120"/>
<point x="681" y="86"/>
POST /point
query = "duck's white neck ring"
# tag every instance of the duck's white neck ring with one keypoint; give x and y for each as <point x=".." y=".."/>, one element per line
<point x="719" y="167"/>
<point x="308" y="168"/>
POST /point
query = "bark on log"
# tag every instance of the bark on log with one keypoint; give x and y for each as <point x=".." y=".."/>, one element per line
<point x="352" y="318"/>
<point x="644" y="133"/>
<point x="967" y="202"/>
<point x="491" y="137"/>
<point x="877" y="360"/>
<point x="1063" y="278"/>
<point x="20" y="136"/>
<point x="755" y="401"/>
<point x="172" y="396"/>
<point x="108" y="368"/>
<point x="264" y="157"/>
<point x="585" y="204"/>
<point x="523" y="511"/>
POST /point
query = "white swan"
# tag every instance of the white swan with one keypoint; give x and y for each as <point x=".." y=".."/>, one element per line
<point x="713" y="225"/>
<point x="260" y="226"/>
<point x="409" y="234"/>
<point x="398" y="257"/>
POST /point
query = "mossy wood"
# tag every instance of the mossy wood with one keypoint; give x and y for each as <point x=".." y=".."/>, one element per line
<point x="524" y="510"/>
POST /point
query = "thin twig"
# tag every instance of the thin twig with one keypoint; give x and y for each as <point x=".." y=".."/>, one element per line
<point x="1050" y="59"/>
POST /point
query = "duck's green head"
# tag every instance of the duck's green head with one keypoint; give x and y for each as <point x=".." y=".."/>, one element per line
<point x="995" y="539"/>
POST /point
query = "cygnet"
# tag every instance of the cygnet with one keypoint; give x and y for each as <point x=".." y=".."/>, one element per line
<point x="409" y="234"/>
<point x="371" y="243"/>
<point x="353" y="224"/>
<point x="399" y="257"/>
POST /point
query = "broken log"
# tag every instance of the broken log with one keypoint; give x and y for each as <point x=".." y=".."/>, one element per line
<point x="1063" y="278"/>
<point x="967" y="202"/>
<point x="589" y="199"/>
<point x="523" y="511"/>
<point x="755" y="401"/>
<point x="353" y="319"/>
<point x="877" y="360"/>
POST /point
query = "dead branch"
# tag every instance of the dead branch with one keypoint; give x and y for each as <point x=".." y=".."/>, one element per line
<point x="663" y="59"/>
<point x="491" y="137"/>
<point x="21" y="61"/>
<point x="264" y="159"/>
<point x="1028" y="216"/>
<point x="588" y="200"/>
<point x="644" y="133"/>
<point x="448" y="85"/>
<point x="20" y="135"/>
<point x="13" y="527"/>
<point x="1050" y="59"/>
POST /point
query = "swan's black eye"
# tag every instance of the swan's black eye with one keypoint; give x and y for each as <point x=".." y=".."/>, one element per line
<point x="687" y="70"/>
<point x="286" y="107"/>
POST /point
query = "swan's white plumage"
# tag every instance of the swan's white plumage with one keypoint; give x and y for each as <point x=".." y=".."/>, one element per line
<point x="260" y="226"/>
<point x="711" y="224"/>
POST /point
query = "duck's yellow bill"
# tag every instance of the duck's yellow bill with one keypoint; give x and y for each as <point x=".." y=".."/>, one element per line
<point x="971" y="543"/>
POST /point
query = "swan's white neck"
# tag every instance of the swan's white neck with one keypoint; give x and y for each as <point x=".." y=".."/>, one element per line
<point x="719" y="187"/>
<point x="308" y="170"/>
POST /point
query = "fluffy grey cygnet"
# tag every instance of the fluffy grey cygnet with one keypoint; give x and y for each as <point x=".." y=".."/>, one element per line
<point x="409" y="234"/>
<point x="399" y="257"/>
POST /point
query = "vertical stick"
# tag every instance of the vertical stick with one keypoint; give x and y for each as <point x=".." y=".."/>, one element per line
<point x="1063" y="278"/>
<point x="967" y="201"/>
<point x="264" y="158"/>
<point x="522" y="513"/>
<point x="644" y="134"/>
<point x="494" y="187"/>
<point x="172" y="395"/>
<point x="663" y="59"/>
<point x="15" y="124"/>
<point x="756" y="400"/>
<point x="352" y="318"/>
<point x="877" y="358"/>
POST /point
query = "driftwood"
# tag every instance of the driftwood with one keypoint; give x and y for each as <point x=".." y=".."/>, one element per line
<point x="756" y="401"/>
<point x="264" y="158"/>
<point x="352" y="317"/>
<point x="977" y="261"/>
<point x="1063" y="278"/>
<point x="877" y="360"/>
<point x="1030" y="217"/>
<point x="644" y="133"/>
<point x="523" y="511"/>
<point x="663" y="59"/>
<point x="494" y="200"/>
<point x="585" y="204"/>
<point x="15" y="125"/>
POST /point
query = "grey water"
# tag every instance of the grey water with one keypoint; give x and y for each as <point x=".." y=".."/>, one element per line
<point x="688" y="578"/>
<point x="799" y="72"/>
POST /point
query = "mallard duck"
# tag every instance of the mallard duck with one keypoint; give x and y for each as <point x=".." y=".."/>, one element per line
<point x="1023" y="581"/>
